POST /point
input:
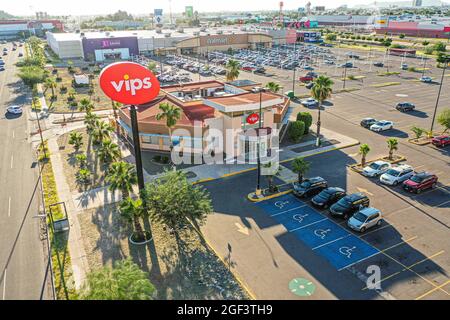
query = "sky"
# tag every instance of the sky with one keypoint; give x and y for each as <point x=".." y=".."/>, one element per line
<point x="92" y="7"/>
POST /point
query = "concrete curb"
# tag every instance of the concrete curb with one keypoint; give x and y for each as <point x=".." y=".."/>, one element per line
<point x="276" y="195"/>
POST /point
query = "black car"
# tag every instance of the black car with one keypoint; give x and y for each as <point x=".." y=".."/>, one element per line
<point x="310" y="85"/>
<point x="348" y="205"/>
<point x="405" y="106"/>
<point x="328" y="197"/>
<point x="379" y="64"/>
<point x="368" y="122"/>
<point x="309" y="187"/>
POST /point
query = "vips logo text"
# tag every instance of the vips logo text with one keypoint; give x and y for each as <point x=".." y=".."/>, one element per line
<point x="129" y="83"/>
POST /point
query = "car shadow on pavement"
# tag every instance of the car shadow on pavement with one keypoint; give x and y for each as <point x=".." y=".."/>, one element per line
<point x="394" y="133"/>
<point x="418" y="114"/>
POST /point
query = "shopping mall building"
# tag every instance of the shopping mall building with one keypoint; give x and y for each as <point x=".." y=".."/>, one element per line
<point x="100" y="46"/>
<point x="214" y="115"/>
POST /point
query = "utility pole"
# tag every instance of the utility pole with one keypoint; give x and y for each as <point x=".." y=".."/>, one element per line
<point x="446" y="61"/>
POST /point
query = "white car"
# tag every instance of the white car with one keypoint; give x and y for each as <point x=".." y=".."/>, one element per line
<point x="310" y="102"/>
<point x="397" y="175"/>
<point x="376" y="168"/>
<point x="365" y="219"/>
<point x="15" y="109"/>
<point x="426" y="79"/>
<point x="382" y="126"/>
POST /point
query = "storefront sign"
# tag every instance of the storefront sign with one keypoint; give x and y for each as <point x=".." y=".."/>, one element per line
<point x="253" y="118"/>
<point x="129" y="83"/>
<point x="110" y="43"/>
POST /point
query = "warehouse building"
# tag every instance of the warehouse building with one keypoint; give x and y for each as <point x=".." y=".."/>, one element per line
<point x="10" y="29"/>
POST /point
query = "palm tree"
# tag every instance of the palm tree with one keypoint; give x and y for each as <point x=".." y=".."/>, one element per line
<point x="171" y="114"/>
<point x="85" y="106"/>
<point x="321" y="91"/>
<point x="364" y="150"/>
<point x="108" y="151"/>
<point x="76" y="140"/>
<point x="50" y="83"/>
<point x="115" y="106"/>
<point x="102" y="131"/>
<point x="90" y="120"/>
<point x="232" y="70"/>
<point x="270" y="174"/>
<point x="122" y="176"/>
<point x="301" y="167"/>
<point x="392" y="146"/>
<point x="133" y="211"/>
<point x="273" y="87"/>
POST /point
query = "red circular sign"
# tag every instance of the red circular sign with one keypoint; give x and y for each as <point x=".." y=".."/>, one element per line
<point x="253" y="118"/>
<point x="129" y="83"/>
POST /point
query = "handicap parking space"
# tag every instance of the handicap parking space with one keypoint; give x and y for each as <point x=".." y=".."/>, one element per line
<point x="324" y="236"/>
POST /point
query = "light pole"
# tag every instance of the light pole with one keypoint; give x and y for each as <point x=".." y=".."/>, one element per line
<point x="424" y="65"/>
<point x="293" y="83"/>
<point x="446" y="61"/>
<point x="258" y="152"/>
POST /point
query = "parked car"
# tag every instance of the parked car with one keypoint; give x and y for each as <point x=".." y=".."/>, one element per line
<point x="426" y="79"/>
<point x="306" y="79"/>
<point x="2" y="68"/>
<point x="310" y="85"/>
<point x="14" y="110"/>
<point x="441" y="141"/>
<point x="405" y="106"/>
<point x="382" y="126"/>
<point x="309" y="187"/>
<point x="308" y="68"/>
<point x="5" y="53"/>
<point x="379" y="64"/>
<point x="419" y="182"/>
<point x="404" y="66"/>
<point x="328" y="197"/>
<point x="20" y="54"/>
<point x="349" y="205"/>
<point x="368" y="122"/>
<point x="365" y="219"/>
<point x="376" y="168"/>
<point x="397" y="175"/>
<point x="310" y="102"/>
<point x="346" y="65"/>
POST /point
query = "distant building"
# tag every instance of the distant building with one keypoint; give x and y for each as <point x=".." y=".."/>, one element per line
<point x="10" y="29"/>
<point x="428" y="29"/>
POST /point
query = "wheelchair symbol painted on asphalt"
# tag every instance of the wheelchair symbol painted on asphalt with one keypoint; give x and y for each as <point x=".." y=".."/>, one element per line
<point x="281" y="204"/>
<point x="299" y="217"/>
<point x="347" y="251"/>
<point x="321" y="233"/>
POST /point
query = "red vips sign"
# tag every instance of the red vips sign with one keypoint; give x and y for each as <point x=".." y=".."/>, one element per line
<point x="253" y="118"/>
<point x="129" y="83"/>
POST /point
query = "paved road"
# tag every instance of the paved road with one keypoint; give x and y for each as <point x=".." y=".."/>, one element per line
<point x="22" y="258"/>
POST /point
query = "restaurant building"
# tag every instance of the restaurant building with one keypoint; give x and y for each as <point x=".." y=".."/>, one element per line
<point x="214" y="115"/>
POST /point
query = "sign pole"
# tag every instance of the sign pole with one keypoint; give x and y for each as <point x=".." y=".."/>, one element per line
<point x="137" y="148"/>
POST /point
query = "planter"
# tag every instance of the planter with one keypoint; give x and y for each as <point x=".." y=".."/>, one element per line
<point x="396" y="159"/>
<point x="148" y="239"/>
<point x="420" y="142"/>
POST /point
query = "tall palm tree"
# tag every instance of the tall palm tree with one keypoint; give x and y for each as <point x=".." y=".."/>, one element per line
<point x="133" y="211"/>
<point x="85" y="106"/>
<point x="102" y="131"/>
<point x="90" y="120"/>
<point x="300" y="167"/>
<point x="108" y="151"/>
<point x="232" y="70"/>
<point x="392" y="146"/>
<point x="364" y="150"/>
<point x="171" y="114"/>
<point x="122" y="176"/>
<point x="273" y="87"/>
<point x="50" y="83"/>
<point x="115" y="106"/>
<point x="76" y="140"/>
<point x="321" y="91"/>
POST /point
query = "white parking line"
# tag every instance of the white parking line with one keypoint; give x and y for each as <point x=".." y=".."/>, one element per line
<point x="279" y="213"/>
<point x="12" y="161"/>
<point x="9" y="207"/>
<point x="352" y="264"/>
<point x="13" y="134"/>
<point x="375" y="230"/>
<point x="307" y="225"/>
<point x="443" y="203"/>
<point x="323" y="245"/>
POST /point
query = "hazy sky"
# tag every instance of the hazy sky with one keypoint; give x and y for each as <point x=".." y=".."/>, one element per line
<point x="86" y="7"/>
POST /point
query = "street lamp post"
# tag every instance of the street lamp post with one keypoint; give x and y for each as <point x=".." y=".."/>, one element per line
<point x="258" y="152"/>
<point x="137" y="148"/>
<point x="447" y="59"/>
<point x="424" y="65"/>
<point x="293" y="83"/>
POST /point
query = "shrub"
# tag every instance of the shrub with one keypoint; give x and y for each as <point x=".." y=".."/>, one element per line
<point x="307" y="119"/>
<point x="425" y="43"/>
<point x="157" y="158"/>
<point x="165" y="159"/>
<point x="296" y="130"/>
<point x="418" y="132"/>
<point x="401" y="36"/>
<point x="58" y="79"/>
<point x="440" y="47"/>
<point x="74" y="104"/>
<point x="428" y="50"/>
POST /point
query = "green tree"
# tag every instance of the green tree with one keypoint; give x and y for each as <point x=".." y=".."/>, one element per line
<point x="31" y="75"/>
<point x="171" y="114"/>
<point x="418" y="132"/>
<point x="331" y="37"/>
<point x="50" y="83"/>
<point x="85" y="106"/>
<point x="321" y="91"/>
<point x="440" y="47"/>
<point x="102" y="131"/>
<point x="401" y="35"/>
<point x="306" y="117"/>
<point x="115" y="106"/>
<point x="122" y="176"/>
<point x="133" y="211"/>
<point x="108" y="151"/>
<point x="90" y="120"/>
<point x="444" y="119"/>
<point x="152" y="66"/>
<point x="296" y="130"/>
<point x="273" y="87"/>
<point x="126" y="281"/>
<point x="173" y="200"/>
<point x="364" y="150"/>
<point x="232" y="70"/>
<point x="300" y="166"/>
<point x="81" y="160"/>
<point x="76" y="140"/>
<point x="84" y="176"/>
<point x="392" y="146"/>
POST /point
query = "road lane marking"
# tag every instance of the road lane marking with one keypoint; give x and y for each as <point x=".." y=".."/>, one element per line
<point x="9" y="207"/>
<point x="12" y="161"/>
<point x="432" y="290"/>
<point x="442" y="204"/>
<point x="13" y="134"/>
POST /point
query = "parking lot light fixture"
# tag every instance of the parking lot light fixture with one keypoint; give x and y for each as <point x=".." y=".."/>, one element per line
<point x="445" y="59"/>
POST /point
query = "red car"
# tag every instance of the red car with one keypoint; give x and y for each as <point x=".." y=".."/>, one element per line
<point x="441" y="141"/>
<point x="248" y="68"/>
<point x="420" y="182"/>
<point x="306" y="79"/>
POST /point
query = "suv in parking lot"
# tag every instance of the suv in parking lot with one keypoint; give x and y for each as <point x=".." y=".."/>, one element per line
<point x="420" y="182"/>
<point x="376" y="168"/>
<point x="405" y="106"/>
<point x="309" y="187"/>
<point x="328" y="197"/>
<point x="396" y="175"/>
<point x="349" y="205"/>
<point x="368" y="122"/>
<point x="365" y="219"/>
<point x="379" y="64"/>
<point x="441" y="141"/>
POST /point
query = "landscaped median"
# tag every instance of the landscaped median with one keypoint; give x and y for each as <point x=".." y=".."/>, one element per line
<point x="395" y="159"/>
<point x="266" y="194"/>
<point x="385" y="84"/>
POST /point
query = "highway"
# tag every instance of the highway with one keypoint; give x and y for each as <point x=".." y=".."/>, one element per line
<point x="23" y="261"/>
